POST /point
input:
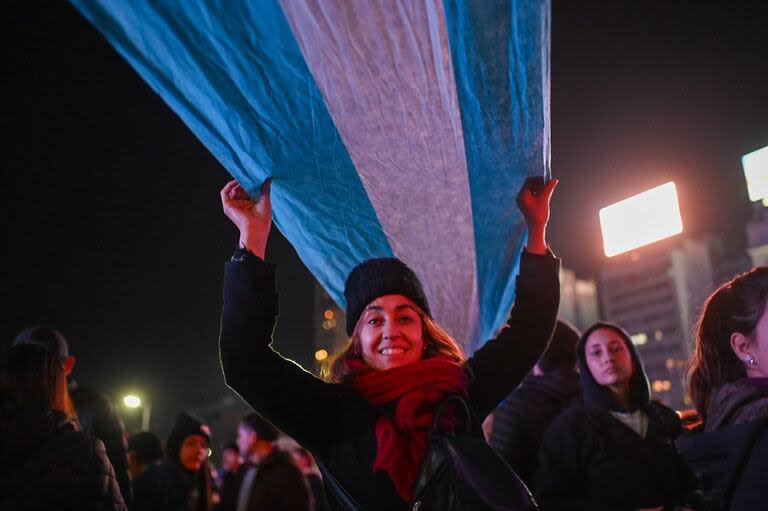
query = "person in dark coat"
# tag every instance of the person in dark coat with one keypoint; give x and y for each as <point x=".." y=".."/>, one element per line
<point x="269" y="479"/>
<point x="227" y="475"/>
<point x="96" y="415"/>
<point x="45" y="462"/>
<point x="182" y="482"/>
<point x="308" y="467"/>
<point x="368" y="426"/>
<point x="145" y="450"/>
<point x="728" y="382"/>
<point x="95" y="412"/>
<point x="728" y="378"/>
<point x="520" y="421"/>
<point x="615" y="450"/>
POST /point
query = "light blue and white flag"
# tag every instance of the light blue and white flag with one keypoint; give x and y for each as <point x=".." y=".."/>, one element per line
<point x="391" y="127"/>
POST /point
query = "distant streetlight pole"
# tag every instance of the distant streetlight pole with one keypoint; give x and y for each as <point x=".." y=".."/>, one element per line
<point x="132" y="401"/>
<point x="145" y="417"/>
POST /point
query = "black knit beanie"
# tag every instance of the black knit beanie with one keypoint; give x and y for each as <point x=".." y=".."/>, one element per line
<point x="378" y="277"/>
<point x="186" y="425"/>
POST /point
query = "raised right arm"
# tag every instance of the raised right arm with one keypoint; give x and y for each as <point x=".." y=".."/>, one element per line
<point x="309" y="410"/>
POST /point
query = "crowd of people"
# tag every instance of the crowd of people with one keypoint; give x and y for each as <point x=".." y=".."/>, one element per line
<point x="570" y="413"/>
<point x="65" y="447"/>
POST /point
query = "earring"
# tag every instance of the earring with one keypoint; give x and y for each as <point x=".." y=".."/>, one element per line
<point x="750" y="359"/>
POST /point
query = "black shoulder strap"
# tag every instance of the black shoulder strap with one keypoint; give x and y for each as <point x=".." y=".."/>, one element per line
<point x="462" y="405"/>
<point x="339" y="492"/>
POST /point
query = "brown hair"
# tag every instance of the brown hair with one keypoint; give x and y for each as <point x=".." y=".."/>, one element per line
<point x="734" y="307"/>
<point x="437" y="341"/>
<point x="37" y="380"/>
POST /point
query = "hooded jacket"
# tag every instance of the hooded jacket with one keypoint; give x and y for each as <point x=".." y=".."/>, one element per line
<point x="45" y="463"/>
<point x="597" y="396"/>
<point x="169" y="486"/>
<point x="591" y="460"/>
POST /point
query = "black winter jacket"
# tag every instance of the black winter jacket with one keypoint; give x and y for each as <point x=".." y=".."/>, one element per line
<point x="520" y="421"/>
<point x="333" y="421"/>
<point x="98" y="418"/>
<point x="731" y="457"/>
<point x="279" y="485"/>
<point x="45" y="463"/>
<point x="169" y="487"/>
<point x="591" y="460"/>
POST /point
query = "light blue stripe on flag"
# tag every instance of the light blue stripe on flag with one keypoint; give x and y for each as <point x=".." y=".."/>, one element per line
<point x="500" y="53"/>
<point x="235" y="75"/>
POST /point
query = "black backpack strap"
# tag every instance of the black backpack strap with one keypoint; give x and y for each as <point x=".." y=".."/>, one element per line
<point x="434" y="459"/>
<point x="339" y="492"/>
<point x="461" y="404"/>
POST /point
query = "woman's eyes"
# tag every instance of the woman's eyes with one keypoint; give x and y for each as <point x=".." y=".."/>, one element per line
<point x="403" y="320"/>
<point x="595" y="353"/>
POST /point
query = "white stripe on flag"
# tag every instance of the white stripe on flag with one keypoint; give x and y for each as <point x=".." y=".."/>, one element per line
<point x="384" y="69"/>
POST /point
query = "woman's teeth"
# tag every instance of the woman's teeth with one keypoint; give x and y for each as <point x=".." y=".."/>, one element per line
<point x="392" y="351"/>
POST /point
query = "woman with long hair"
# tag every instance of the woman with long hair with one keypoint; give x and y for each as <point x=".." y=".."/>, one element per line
<point x="45" y="461"/>
<point x="615" y="450"/>
<point x="728" y="383"/>
<point x="728" y="376"/>
<point x="368" y="424"/>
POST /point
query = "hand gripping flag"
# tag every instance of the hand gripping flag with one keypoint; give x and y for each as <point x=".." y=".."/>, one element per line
<point x="390" y="127"/>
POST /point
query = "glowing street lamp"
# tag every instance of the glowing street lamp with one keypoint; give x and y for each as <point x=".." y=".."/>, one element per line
<point x="132" y="401"/>
<point x="641" y="219"/>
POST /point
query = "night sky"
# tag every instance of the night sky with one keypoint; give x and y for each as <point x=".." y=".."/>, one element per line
<point x="111" y="217"/>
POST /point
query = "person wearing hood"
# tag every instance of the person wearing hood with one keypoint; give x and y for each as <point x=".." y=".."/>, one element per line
<point x="45" y="461"/>
<point x="182" y="482"/>
<point x="728" y="383"/>
<point x="615" y="450"/>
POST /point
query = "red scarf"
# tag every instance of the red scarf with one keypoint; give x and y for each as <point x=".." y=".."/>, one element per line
<point x="416" y="389"/>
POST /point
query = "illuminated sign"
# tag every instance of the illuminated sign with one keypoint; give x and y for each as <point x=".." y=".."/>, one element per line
<point x="642" y="219"/>
<point x="756" y="173"/>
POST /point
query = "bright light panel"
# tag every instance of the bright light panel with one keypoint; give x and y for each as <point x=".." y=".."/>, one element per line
<point x="756" y="173"/>
<point x="642" y="219"/>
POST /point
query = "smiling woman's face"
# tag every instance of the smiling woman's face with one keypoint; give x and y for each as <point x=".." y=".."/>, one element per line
<point x="392" y="332"/>
<point x="608" y="358"/>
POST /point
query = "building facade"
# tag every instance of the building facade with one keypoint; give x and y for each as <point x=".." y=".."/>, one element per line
<point x="656" y="294"/>
<point x="578" y="300"/>
<point x="757" y="235"/>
